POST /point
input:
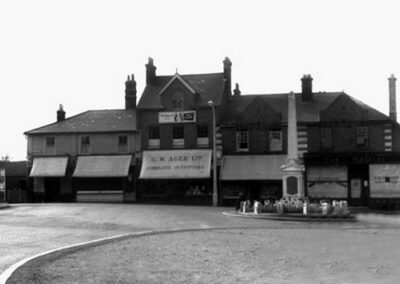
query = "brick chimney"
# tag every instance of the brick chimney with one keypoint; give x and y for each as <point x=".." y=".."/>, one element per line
<point x="392" y="98"/>
<point x="130" y="92"/>
<point x="236" y="91"/>
<point x="60" y="114"/>
<point x="150" y="72"/>
<point x="228" y="74"/>
<point x="306" y="88"/>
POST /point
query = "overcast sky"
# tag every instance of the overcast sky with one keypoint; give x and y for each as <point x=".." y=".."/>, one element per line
<point x="79" y="53"/>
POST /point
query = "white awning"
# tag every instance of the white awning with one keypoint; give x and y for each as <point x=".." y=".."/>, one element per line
<point x="102" y="166"/>
<point x="176" y="164"/>
<point x="260" y="167"/>
<point x="49" y="167"/>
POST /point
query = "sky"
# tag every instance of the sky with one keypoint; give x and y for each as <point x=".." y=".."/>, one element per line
<point x="79" y="53"/>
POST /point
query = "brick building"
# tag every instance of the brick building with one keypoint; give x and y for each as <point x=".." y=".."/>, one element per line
<point x="343" y="142"/>
<point x="161" y="150"/>
<point x="175" y="120"/>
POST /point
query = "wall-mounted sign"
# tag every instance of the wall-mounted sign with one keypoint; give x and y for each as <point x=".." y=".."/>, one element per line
<point x="177" y="117"/>
<point x="327" y="182"/>
<point x="384" y="180"/>
<point x="176" y="164"/>
<point x="2" y="185"/>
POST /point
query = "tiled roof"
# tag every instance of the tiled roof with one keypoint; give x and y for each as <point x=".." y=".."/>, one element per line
<point x="208" y="87"/>
<point x="108" y="120"/>
<point x="306" y="111"/>
<point x="14" y="168"/>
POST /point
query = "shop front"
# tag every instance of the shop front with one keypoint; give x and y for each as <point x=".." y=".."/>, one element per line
<point x="255" y="177"/>
<point x="103" y="178"/>
<point x="49" y="182"/>
<point x="175" y="177"/>
<point x="363" y="179"/>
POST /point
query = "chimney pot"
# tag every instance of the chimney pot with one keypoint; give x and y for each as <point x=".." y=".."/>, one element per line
<point x="392" y="98"/>
<point x="150" y="72"/>
<point x="306" y="88"/>
<point x="228" y="74"/>
<point x="130" y="93"/>
<point x="237" y="91"/>
<point x="60" y="114"/>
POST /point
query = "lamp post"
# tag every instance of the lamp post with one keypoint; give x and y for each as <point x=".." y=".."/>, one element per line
<point x="214" y="149"/>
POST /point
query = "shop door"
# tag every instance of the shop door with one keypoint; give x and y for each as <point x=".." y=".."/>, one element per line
<point x="52" y="190"/>
<point x="359" y="185"/>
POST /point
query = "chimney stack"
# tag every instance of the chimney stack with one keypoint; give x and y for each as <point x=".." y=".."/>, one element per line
<point x="228" y="74"/>
<point x="130" y="93"/>
<point x="150" y="72"/>
<point x="236" y="91"/>
<point x="306" y="88"/>
<point x="60" y="114"/>
<point x="392" y="98"/>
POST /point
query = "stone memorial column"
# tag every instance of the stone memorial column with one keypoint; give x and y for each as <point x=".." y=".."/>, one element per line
<point x="293" y="169"/>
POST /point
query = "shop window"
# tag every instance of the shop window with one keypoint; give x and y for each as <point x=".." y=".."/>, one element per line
<point x="154" y="137"/>
<point x="275" y="140"/>
<point x="326" y="137"/>
<point x="85" y="145"/>
<point x="361" y="135"/>
<point x="202" y="136"/>
<point x="178" y="136"/>
<point x="123" y="143"/>
<point x="242" y="141"/>
<point x="50" y="145"/>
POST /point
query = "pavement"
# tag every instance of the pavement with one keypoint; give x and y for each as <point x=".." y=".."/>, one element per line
<point x="31" y="229"/>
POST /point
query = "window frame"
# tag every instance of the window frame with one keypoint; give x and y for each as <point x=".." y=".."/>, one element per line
<point x="324" y="136"/>
<point x="271" y="132"/>
<point x="123" y="147"/>
<point x="88" y="145"/>
<point x="361" y="132"/>
<point x="178" y="136"/>
<point x="242" y="136"/>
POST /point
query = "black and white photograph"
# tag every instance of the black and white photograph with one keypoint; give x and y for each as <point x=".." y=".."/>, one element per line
<point x="199" y="141"/>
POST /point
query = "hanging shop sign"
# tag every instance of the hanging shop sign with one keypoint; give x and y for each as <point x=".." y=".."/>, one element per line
<point x="178" y="164"/>
<point x="177" y="117"/>
<point x="327" y="182"/>
<point x="384" y="180"/>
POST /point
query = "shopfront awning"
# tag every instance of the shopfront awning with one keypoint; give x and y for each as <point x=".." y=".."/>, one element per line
<point x="260" y="167"/>
<point x="102" y="166"/>
<point x="176" y="164"/>
<point x="49" y="167"/>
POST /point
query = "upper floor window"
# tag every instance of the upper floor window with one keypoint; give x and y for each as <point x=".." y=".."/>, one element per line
<point x="122" y="143"/>
<point x="325" y="134"/>
<point x="154" y="137"/>
<point x="202" y="136"/>
<point x="85" y="144"/>
<point x="242" y="140"/>
<point x="50" y="141"/>
<point x="50" y="145"/>
<point x="178" y="136"/>
<point x="177" y="100"/>
<point x="275" y="140"/>
<point x="362" y="135"/>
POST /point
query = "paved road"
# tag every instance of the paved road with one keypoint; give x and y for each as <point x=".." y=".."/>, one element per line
<point x="29" y="229"/>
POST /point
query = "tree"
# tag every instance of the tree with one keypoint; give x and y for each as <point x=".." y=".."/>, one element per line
<point x="5" y="158"/>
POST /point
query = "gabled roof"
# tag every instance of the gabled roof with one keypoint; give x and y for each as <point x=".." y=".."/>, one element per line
<point x="109" y="120"/>
<point x="207" y="86"/>
<point x="179" y="78"/>
<point x="306" y="111"/>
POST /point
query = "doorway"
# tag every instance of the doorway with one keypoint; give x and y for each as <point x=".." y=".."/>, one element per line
<point x="359" y="185"/>
<point x="52" y="190"/>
